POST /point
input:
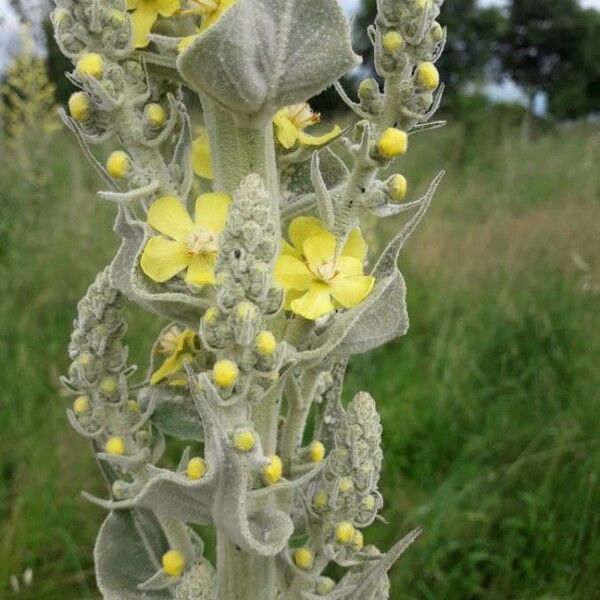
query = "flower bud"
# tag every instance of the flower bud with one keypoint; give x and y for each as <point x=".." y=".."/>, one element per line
<point x="115" y="445"/>
<point x="427" y="76"/>
<point x="344" y="532"/>
<point x="155" y="114"/>
<point x="324" y="586"/>
<point x="79" y="106"/>
<point x="316" y="451"/>
<point x="90" y="63"/>
<point x="320" y="500"/>
<point x="225" y="373"/>
<point x="392" y="41"/>
<point x="211" y="315"/>
<point x="436" y="32"/>
<point x="396" y="187"/>
<point x="265" y="342"/>
<point x="392" y="143"/>
<point x="81" y="405"/>
<point x="346" y="485"/>
<point x="196" y="468"/>
<point x="173" y="563"/>
<point x="118" y="164"/>
<point x="357" y="541"/>
<point x="271" y="473"/>
<point x="244" y="440"/>
<point x="304" y="558"/>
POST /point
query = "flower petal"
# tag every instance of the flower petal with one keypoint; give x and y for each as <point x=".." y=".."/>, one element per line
<point x="167" y="7"/>
<point x="162" y="259"/>
<point x="289" y="249"/>
<point x="319" y="248"/>
<point x="302" y="227"/>
<point x="351" y="291"/>
<point x="315" y="303"/>
<point x="286" y="131"/>
<point x="142" y="19"/>
<point x="201" y="158"/>
<point x="290" y="296"/>
<point x="291" y="273"/>
<point x="212" y="210"/>
<point x="213" y="17"/>
<point x="131" y="4"/>
<point x="201" y="270"/>
<point x="318" y="140"/>
<point x="348" y="266"/>
<point x="355" y="246"/>
<point x="169" y="216"/>
<point x="171" y="365"/>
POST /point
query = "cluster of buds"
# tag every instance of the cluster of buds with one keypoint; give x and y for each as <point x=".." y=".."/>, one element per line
<point x="261" y="328"/>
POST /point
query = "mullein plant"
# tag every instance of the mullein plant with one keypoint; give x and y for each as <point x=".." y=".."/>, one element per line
<point x="259" y="266"/>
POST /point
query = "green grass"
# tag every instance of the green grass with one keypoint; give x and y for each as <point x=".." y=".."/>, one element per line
<point x="490" y="404"/>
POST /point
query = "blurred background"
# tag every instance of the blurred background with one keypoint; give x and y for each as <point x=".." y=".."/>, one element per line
<point x="490" y="404"/>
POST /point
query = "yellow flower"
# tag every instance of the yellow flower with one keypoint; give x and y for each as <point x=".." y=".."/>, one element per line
<point x="194" y="245"/>
<point x="179" y="345"/>
<point x="201" y="158"/>
<point x="291" y="121"/>
<point x="144" y="15"/>
<point x="312" y="273"/>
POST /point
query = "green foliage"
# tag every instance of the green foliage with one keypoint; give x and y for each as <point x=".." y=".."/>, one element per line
<point x="488" y="405"/>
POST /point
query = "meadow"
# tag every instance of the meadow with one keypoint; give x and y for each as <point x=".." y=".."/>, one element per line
<point x="490" y="404"/>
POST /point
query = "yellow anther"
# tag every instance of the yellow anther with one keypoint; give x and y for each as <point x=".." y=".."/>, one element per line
<point x="196" y="468"/>
<point x="211" y="315"/>
<point x="427" y="76"/>
<point x="357" y="541"/>
<point x="173" y="563"/>
<point x="266" y="342"/>
<point x="392" y="41"/>
<point x="156" y="114"/>
<point x="344" y="532"/>
<point x="79" y="106"/>
<point x="225" y="373"/>
<point x="271" y="473"/>
<point x="393" y="142"/>
<point x="397" y="188"/>
<point x="244" y="440"/>
<point x="118" y="164"/>
<point x="316" y="451"/>
<point x="115" y="445"/>
<point x="108" y="385"/>
<point x="90" y="63"/>
<point x="81" y="405"/>
<point x="304" y="558"/>
<point x="320" y="500"/>
<point x="346" y="485"/>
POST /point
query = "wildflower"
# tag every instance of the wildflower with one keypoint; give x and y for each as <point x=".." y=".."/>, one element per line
<point x="118" y="164"/>
<point x="179" y="345"/>
<point x="344" y="532"/>
<point x="115" y="445"/>
<point x="392" y="41"/>
<point x="90" y="63"/>
<point x="312" y="271"/>
<point x="265" y="342"/>
<point x="397" y="186"/>
<point x="81" y="405"/>
<point x="194" y="245"/>
<point x="392" y="143"/>
<point x="200" y="156"/>
<point x="244" y="440"/>
<point x="304" y="558"/>
<point x="271" y="473"/>
<point x="196" y="468"/>
<point x="291" y="121"/>
<point x="173" y="563"/>
<point x="155" y="114"/>
<point x="79" y="106"/>
<point x="427" y="76"/>
<point x="144" y="15"/>
<point x="316" y="451"/>
<point x="225" y="373"/>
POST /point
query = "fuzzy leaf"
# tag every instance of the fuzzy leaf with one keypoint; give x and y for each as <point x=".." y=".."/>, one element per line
<point x="262" y="55"/>
<point x="128" y="552"/>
